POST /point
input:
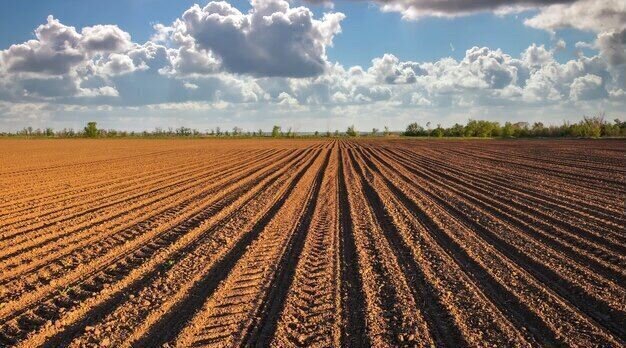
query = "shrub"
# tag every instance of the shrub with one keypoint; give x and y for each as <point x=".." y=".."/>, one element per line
<point x="276" y="131"/>
<point x="414" y="130"/>
<point x="351" y="132"/>
<point x="438" y="132"/>
<point x="91" y="131"/>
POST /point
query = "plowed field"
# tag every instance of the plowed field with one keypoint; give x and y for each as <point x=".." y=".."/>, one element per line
<point x="294" y="243"/>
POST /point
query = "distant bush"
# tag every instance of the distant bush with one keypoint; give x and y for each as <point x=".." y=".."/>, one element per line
<point x="415" y="130"/>
<point x="351" y="132"/>
<point x="91" y="130"/>
<point x="276" y="132"/>
<point x="588" y="127"/>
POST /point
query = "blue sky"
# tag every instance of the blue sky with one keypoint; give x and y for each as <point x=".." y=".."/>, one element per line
<point x="411" y="42"/>
<point x="367" y="32"/>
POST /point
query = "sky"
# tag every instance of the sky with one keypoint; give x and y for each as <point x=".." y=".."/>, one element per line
<point x="309" y="65"/>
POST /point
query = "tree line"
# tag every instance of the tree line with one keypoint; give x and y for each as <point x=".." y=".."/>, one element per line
<point x="588" y="127"/>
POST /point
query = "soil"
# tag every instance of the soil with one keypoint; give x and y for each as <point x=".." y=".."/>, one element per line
<point x="318" y="242"/>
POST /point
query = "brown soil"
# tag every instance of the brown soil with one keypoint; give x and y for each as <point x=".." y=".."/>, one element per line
<point x="299" y="243"/>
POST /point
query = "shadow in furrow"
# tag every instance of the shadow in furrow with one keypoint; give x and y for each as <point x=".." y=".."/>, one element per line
<point x="171" y="323"/>
<point x="600" y="312"/>
<point x="265" y="325"/>
<point x="352" y="297"/>
<point x="439" y="320"/>
<point x="100" y="311"/>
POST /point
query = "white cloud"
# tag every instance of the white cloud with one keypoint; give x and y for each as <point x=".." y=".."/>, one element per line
<point x="286" y="100"/>
<point x="272" y="39"/>
<point x="55" y="51"/>
<point x="590" y="15"/>
<point x="271" y="62"/>
<point x="389" y="69"/>
<point x="190" y="85"/>
<point x="612" y="46"/>
<point x="537" y="56"/>
<point x="484" y="77"/>
<point x="418" y="99"/>
<point x="607" y="18"/>
<point x="106" y="91"/>
<point x="416" y="9"/>
<point x="587" y="87"/>
<point x="104" y="39"/>
<point x="60" y="60"/>
<point x="117" y="64"/>
<point x="189" y="61"/>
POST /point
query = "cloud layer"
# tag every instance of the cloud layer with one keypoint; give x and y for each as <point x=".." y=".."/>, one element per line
<point x="272" y="60"/>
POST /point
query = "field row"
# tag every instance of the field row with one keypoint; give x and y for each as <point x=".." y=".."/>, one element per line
<point x="300" y="243"/>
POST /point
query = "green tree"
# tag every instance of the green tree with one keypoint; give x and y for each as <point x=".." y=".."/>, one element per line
<point x="438" y="132"/>
<point x="414" y="130"/>
<point x="592" y="126"/>
<point x="480" y="128"/>
<point x="183" y="131"/>
<point x="91" y="131"/>
<point x="374" y="131"/>
<point x="351" y="132"/>
<point x="455" y="131"/>
<point x="507" y="130"/>
<point x="276" y="131"/>
<point x="538" y="129"/>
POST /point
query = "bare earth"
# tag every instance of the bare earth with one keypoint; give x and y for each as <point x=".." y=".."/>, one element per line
<point x="312" y="243"/>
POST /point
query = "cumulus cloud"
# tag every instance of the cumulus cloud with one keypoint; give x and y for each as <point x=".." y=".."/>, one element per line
<point x="190" y="85"/>
<point x="484" y="77"/>
<point x="104" y="39"/>
<point x="590" y="15"/>
<point x="55" y="51"/>
<point x="286" y="100"/>
<point x="587" y="87"/>
<point x="189" y="62"/>
<point x="273" y="59"/>
<point x="389" y="69"/>
<point x="60" y="59"/>
<point x="415" y="9"/>
<point x="272" y="39"/>
<point x="612" y="46"/>
<point x="106" y="91"/>
<point x="606" y="18"/>
<point x="537" y="56"/>
<point x="117" y="64"/>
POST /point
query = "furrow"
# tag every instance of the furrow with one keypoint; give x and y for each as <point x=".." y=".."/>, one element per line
<point x="601" y="253"/>
<point x="174" y="291"/>
<point x="311" y="314"/>
<point x="560" y="307"/>
<point x="63" y="262"/>
<point x="119" y="266"/>
<point x="229" y="312"/>
<point x="393" y="315"/>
